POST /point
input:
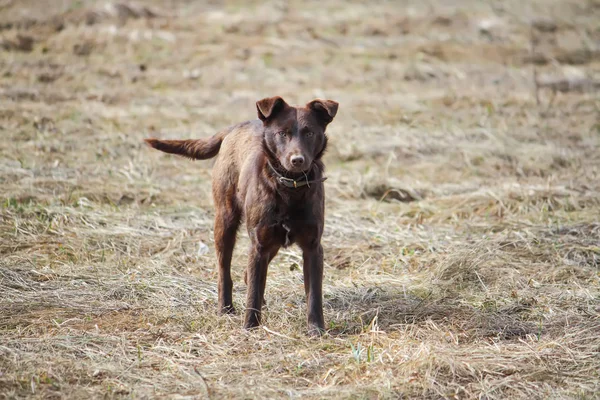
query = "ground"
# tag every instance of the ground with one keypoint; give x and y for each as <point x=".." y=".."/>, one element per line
<point x="462" y="241"/>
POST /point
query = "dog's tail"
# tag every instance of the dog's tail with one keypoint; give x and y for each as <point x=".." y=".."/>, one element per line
<point x="196" y="149"/>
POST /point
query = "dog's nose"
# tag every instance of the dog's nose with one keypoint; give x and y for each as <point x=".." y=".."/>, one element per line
<point x="297" y="160"/>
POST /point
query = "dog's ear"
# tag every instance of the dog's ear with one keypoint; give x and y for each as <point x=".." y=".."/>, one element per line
<point x="325" y="109"/>
<point x="269" y="107"/>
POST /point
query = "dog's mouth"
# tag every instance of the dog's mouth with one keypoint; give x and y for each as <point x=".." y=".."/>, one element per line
<point x="289" y="171"/>
<point x="297" y="171"/>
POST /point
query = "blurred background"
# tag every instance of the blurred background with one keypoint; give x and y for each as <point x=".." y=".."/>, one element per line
<point x="434" y="86"/>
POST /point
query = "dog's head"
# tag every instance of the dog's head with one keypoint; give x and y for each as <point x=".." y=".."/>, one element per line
<point x="295" y="136"/>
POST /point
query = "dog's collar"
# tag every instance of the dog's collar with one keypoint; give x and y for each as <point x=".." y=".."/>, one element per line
<point x="292" y="183"/>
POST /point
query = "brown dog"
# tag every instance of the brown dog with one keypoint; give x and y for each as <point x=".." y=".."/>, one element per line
<point x="270" y="172"/>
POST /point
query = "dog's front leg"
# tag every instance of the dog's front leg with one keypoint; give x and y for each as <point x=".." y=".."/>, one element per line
<point x="262" y="252"/>
<point x="313" y="286"/>
<point x="258" y="265"/>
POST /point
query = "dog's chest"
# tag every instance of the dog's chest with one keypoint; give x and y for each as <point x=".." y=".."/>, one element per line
<point x="287" y="223"/>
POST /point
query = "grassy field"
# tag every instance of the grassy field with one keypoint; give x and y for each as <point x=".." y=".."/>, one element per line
<point x="462" y="241"/>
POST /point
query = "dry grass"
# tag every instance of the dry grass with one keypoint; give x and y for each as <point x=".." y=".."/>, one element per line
<point x="462" y="235"/>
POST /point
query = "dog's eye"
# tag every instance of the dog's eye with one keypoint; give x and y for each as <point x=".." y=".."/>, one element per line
<point x="282" y="133"/>
<point x="309" y="134"/>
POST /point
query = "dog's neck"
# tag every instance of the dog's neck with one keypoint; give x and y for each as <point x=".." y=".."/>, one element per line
<point x="277" y="169"/>
<point x="295" y="183"/>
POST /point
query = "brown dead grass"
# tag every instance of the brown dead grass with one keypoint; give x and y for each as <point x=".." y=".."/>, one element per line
<point x="462" y="236"/>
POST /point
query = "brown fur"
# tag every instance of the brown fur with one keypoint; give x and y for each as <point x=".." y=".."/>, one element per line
<point x="292" y="140"/>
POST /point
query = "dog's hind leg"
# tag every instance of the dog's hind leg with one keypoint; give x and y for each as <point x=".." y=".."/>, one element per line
<point x="227" y="221"/>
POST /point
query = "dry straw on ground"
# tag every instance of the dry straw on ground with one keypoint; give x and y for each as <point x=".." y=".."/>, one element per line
<point x="462" y="235"/>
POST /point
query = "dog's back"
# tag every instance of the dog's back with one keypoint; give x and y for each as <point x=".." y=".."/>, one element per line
<point x="240" y="155"/>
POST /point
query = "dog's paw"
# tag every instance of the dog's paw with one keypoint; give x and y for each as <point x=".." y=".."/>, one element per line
<point x="252" y="319"/>
<point x="227" y="310"/>
<point x="249" y="326"/>
<point x="316" y="331"/>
